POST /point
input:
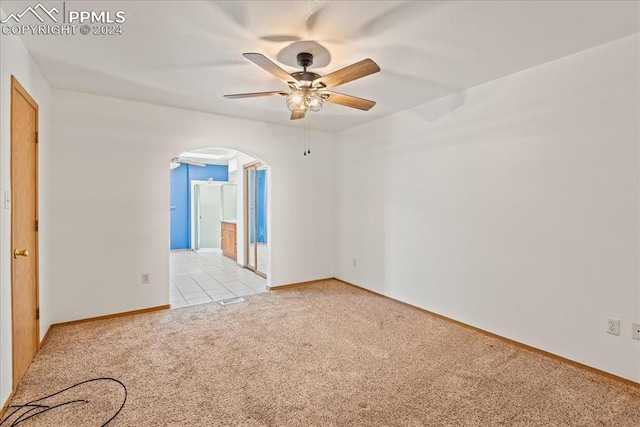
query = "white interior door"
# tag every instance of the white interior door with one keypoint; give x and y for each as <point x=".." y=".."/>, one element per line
<point x="208" y="214"/>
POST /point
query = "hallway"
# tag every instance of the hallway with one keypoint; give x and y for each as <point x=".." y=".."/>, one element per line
<point x="198" y="278"/>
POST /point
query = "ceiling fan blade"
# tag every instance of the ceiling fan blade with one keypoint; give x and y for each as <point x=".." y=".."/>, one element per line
<point x="348" y="100"/>
<point x="298" y="114"/>
<point x="264" y="62"/>
<point x="347" y="74"/>
<point x="256" y="94"/>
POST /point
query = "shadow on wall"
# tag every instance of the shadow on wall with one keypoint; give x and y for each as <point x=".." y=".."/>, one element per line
<point x="443" y="107"/>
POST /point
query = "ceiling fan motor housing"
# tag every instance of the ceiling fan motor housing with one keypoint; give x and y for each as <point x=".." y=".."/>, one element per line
<point x="305" y="78"/>
<point x="304" y="59"/>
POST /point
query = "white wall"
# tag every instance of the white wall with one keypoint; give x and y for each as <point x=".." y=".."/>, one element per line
<point x="512" y="206"/>
<point x="110" y="199"/>
<point x="15" y="60"/>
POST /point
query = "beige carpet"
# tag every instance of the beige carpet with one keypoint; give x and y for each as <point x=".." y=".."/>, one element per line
<point x="320" y="355"/>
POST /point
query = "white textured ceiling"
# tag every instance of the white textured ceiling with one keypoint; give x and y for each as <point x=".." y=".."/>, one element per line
<point x="188" y="54"/>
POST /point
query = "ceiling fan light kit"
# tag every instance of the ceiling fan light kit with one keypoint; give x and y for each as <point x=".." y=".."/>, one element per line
<point x="304" y="100"/>
<point x="307" y="90"/>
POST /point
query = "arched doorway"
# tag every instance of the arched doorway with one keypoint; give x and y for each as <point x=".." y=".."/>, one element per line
<point x="209" y="231"/>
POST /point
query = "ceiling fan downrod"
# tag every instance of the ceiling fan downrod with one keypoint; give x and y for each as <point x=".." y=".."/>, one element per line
<point x="304" y="60"/>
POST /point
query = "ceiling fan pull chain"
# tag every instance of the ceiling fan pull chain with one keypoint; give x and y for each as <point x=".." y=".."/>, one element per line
<point x="304" y="140"/>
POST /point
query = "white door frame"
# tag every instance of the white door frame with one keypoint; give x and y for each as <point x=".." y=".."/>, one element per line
<point x="192" y="210"/>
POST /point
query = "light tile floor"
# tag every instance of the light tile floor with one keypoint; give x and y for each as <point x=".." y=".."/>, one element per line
<point x="207" y="277"/>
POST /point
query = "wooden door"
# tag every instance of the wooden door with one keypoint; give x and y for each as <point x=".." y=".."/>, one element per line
<point x="24" y="239"/>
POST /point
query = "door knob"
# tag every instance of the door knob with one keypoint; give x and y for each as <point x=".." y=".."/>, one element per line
<point x="20" y="252"/>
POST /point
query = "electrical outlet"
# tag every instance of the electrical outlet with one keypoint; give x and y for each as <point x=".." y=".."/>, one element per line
<point x="613" y="326"/>
<point x="145" y="278"/>
<point x="354" y="262"/>
<point x="635" y="334"/>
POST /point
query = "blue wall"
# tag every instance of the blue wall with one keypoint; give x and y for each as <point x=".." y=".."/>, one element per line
<point x="181" y="178"/>
<point x="216" y="172"/>
<point x="179" y="209"/>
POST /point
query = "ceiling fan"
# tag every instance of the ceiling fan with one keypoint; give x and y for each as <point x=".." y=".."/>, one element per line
<point x="308" y="90"/>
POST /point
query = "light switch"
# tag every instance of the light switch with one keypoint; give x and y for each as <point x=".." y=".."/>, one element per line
<point x="7" y="200"/>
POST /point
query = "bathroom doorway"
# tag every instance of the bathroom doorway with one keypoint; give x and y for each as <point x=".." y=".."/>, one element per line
<point x="213" y="204"/>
